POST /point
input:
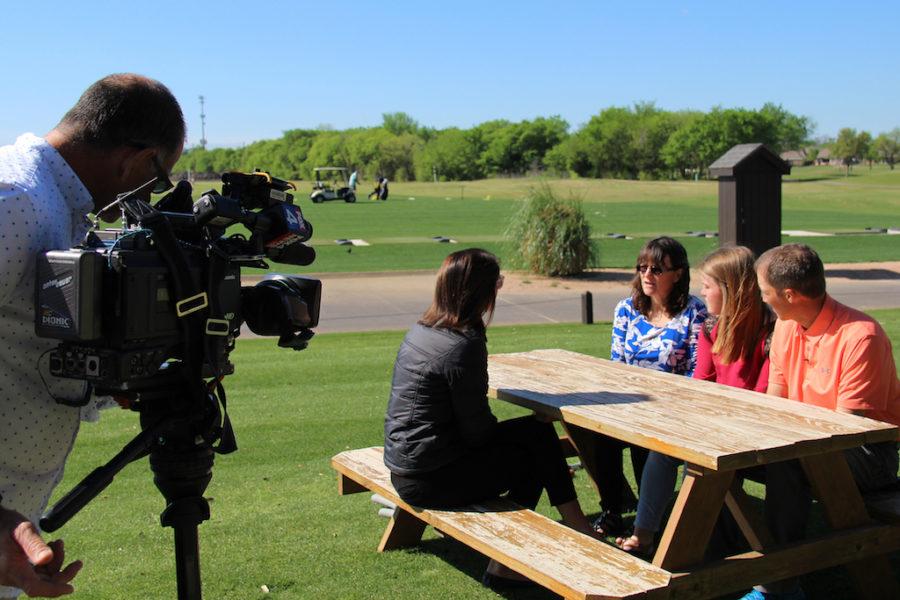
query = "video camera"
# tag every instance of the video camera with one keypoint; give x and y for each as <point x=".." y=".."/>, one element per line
<point x="149" y="314"/>
<point x="126" y="301"/>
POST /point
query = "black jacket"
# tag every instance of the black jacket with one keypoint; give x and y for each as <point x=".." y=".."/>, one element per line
<point x="438" y="407"/>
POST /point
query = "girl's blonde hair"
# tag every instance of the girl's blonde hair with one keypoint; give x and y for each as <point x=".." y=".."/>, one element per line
<point x="744" y="317"/>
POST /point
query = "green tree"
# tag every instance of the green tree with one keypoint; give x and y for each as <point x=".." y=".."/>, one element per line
<point x="887" y="147"/>
<point x="785" y="131"/>
<point x="399" y="123"/>
<point x="864" y="142"/>
<point x="851" y="146"/>
<point x="610" y="134"/>
<point x="451" y="155"/>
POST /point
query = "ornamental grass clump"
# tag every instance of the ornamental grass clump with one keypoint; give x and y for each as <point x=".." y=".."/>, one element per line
<point x="551" y="236"/>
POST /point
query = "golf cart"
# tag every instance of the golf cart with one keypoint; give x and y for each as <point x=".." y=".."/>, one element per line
<point x="332" y="183"/>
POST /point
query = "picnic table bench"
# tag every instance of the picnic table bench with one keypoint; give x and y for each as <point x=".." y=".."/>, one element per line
<point x="571" y="564"/>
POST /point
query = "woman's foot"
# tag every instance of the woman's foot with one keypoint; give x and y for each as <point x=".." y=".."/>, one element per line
<point x="574" y="517"/>
<point x="637" y="544"/>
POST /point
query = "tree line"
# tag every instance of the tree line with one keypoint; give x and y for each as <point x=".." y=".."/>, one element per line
<point x="637" y="142"/>
<point x="853" y="146"/>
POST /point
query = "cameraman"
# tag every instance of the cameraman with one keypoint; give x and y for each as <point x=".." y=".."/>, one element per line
<point x="124" y="131"/>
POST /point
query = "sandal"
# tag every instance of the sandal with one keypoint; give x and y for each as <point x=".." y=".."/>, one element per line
<point x="608" y="523"/>
<point x="633" y="545"/>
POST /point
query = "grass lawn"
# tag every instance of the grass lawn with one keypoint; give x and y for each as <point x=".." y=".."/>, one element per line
<point x="276" y="517"/>
<point x="476" y="213"/>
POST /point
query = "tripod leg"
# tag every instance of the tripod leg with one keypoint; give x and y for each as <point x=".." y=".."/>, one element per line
<point x="187" y="562"/>
<point x="183" y="516"/>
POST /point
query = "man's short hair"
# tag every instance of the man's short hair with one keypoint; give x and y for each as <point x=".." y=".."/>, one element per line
<point x="794" y="266"/>
<point x="126" y="109"/>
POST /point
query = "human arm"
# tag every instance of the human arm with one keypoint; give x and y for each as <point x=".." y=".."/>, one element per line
<point x="621" y="318"/>
<point x="467" y="376"/>
<point x="697" y="314"/>
<point x="705" y="368"/>
<point x="26" y="562"/>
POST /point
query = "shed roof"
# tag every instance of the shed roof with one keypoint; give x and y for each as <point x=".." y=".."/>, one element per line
<point x="726" y="164"/>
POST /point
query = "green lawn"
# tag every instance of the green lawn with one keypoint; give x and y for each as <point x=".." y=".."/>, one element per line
<point x="476" y="213"/>
<point x="276" y="517"/>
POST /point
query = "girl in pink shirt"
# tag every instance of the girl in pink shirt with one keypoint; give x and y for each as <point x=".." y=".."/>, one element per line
<point x="732" y="350"/>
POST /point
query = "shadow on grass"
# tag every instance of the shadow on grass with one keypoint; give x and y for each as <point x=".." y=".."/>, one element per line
<point x="863" y="274"/>
<point x="473" y="563"/>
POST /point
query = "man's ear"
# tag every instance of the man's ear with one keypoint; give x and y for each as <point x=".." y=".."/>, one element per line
<point x="789" y="294"/>
<point x="135" y="163"/>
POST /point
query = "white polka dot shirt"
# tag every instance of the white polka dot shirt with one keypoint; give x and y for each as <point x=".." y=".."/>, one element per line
<point x="42" y="207"/>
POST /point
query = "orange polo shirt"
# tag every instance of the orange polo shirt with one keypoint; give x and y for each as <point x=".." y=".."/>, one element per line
<point x="844" y="360"/>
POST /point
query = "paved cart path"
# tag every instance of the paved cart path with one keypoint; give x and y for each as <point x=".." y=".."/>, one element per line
<point x="379" y="301"/>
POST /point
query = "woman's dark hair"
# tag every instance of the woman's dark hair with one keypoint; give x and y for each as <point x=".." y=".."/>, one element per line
<point x="465" y="290"/>
<point x="126" y="110"/>
<point x="655" y="251"/>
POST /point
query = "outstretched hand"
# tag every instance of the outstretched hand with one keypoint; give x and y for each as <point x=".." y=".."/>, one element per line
<point x="26" y="562"/>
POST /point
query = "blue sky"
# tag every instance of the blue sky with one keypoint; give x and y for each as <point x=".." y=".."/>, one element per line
<point x="268" y="66"/>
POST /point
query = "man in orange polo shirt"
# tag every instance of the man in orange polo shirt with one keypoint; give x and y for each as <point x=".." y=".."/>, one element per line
<point x="829" y="355"/>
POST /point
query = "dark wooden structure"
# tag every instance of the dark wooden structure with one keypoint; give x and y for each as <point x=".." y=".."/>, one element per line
<point x="750" y="196"/>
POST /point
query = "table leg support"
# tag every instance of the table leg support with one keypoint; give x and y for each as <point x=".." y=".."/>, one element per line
<point x="833" y="483"/>
<point x="686" y="537"/>
<point x="751" y="523"/>
<point x="403" y="530"/>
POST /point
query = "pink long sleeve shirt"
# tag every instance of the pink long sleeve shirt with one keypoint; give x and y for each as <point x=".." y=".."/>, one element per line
<point x="750" y="374"/>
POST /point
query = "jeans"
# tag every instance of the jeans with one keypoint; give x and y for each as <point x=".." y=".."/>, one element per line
<point x="657" y="485"/>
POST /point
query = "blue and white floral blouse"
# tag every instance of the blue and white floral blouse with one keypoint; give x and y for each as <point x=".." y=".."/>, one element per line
<point x="672" y="348"/>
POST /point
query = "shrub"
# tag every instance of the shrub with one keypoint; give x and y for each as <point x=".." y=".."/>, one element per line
<point x="551" y="236"/>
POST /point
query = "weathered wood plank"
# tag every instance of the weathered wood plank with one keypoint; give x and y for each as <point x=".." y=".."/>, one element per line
<point x="403" y="530"/>
<point x="740" y="572"/>
<point x="347" y="486"/>
<point x="551" y="554"/>
<point x="686" y="536"/>
<point x="751" y="523"/>
<point x="707" y="424"/>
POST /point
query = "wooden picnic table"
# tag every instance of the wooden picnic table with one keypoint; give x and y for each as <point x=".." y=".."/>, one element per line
<point x="717" y="430"/>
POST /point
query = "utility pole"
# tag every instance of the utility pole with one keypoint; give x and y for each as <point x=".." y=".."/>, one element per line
<point x="202" y="125"/>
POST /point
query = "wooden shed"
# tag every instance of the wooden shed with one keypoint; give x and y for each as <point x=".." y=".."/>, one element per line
<point x="750" y="196"/>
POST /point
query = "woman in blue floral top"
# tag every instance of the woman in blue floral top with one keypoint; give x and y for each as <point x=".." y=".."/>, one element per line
<point x="656" y="328"/>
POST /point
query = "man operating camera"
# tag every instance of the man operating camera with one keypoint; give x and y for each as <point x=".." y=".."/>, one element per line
<point x="124" y="131"/>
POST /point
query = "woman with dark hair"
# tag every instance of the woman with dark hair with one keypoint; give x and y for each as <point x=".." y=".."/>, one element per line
<point x="442" y="444"/>
<point x="656" y="328"/>
<point x="732" y="350"/>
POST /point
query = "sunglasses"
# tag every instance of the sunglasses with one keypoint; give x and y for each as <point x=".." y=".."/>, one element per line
<point x="655" y="270"/>
<point x="163" y="183"/>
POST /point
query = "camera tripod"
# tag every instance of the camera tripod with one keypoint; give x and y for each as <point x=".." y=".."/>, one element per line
<point x="178" y="438"/>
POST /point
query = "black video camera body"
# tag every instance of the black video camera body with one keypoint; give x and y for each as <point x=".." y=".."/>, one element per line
<point x="129" y="304"/>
